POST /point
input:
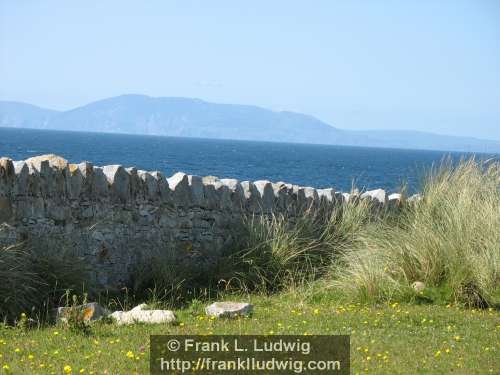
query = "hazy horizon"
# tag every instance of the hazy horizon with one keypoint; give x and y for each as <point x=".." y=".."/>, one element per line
<point x="431" y="67"/>
<point x="250" y="105"/>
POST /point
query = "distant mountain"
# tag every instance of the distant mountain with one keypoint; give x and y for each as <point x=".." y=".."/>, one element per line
<point x="22" y="115"/>
<point x="184" y="117"/>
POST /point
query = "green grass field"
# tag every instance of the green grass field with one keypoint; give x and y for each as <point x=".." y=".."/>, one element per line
<point x="388" y="339"/>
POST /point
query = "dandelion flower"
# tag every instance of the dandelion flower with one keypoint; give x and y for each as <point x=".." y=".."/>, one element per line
<point x="67" y="369"/>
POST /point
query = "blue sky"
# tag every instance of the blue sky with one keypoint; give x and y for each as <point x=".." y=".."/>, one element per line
<point x="423" y="65"/>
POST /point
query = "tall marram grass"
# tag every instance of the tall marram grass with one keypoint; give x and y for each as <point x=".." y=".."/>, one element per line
<point x="450" y="240"/>
<point x="19" y="286"/>
<point x="36" y="275"/>
<point x="279" y="252"/>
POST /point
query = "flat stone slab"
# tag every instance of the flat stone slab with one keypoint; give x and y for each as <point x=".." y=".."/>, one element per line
<point x="229" y="309"/>
<point x="140" y="314"/>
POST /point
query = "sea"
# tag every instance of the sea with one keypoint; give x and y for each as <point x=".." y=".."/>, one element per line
<point x="320" y="166"/>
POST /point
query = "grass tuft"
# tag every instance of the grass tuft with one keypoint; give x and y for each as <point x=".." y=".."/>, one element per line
<point x="35" y="278"/>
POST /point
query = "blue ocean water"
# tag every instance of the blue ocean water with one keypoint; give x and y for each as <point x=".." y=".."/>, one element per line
<point x="307" y="165"/>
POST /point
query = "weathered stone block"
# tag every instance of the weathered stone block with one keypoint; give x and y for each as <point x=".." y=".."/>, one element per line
<point x="266" y="192"/>
<point x="377" y="196"/>
<point x="210" y="191"/>
<point x="7" y="176"/>
<point x="22" y="171"/>
<point x="151" y="186"/>
<point x="74" y="182"/>
<point x="339" y="198"/>
<point x="326" y="195"/>
<point x="119" y="181"/>
<point x="252" y="196"/>
<point x="54" y="161"/>
<point x="229" y="309"/>
<point x="100" y="184"/>
<point x="299" y="196"/>
<point x="141" y="314"/>
<point x="237" y="194"/>
<point x="312" y="197"/>
<point x="196" y="186"/>
<point x="394" y="200"/>
<point x="163" y="188"/>
<point x="346" y="197"/>
<point x="282" y="196"/>
<point x="136" y="185"/>
<point x="179" y="184"/>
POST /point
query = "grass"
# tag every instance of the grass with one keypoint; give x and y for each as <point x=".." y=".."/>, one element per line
<point x="450" y="241"/>
<point x="387" y="339"/>
<point x="278" y="252"/>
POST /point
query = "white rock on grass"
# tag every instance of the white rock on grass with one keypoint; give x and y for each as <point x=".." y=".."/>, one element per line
<point x="229" y="309"/>
<point x="418" y="286"/>
<point x="140" y="314"/>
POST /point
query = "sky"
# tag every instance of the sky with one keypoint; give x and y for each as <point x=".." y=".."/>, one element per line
<point x="409" y="65"/>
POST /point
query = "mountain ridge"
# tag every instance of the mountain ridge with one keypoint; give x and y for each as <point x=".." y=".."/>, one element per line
<point x="192" y="117"/>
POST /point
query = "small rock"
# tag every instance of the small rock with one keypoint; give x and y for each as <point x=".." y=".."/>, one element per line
<point x="54" y="161"/>
<point x="418" y="286"/>
<point x="378" y="195"/>
<point x="394" y="200"/>
<point x="140" y="307"/>
<point x="415" y="198"/>
<point x="229" y="309"/>
<point x="140" y="314"/>
<point x="91" y="311"/>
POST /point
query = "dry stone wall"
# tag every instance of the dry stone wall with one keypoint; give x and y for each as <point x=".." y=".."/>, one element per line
<point x="113" y="216"/>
